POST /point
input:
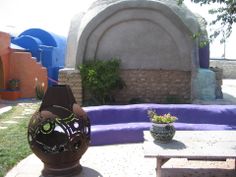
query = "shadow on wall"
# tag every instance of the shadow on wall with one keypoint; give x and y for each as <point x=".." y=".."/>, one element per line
<point x="46" y="47"/>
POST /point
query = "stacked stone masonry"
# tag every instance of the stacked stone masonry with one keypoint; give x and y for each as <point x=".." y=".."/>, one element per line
<point x="228" y="66"/>
<point x="72" y="78"/>
<point x="159" y="86"/>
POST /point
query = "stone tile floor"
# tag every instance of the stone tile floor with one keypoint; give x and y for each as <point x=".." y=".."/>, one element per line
<point x="128" y="161"/>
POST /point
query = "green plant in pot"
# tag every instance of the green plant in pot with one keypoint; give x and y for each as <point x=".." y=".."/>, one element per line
<point x="14" y="84"/>
<point x="162" y="129"/>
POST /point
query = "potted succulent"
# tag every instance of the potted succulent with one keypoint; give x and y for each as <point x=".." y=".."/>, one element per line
<point x="14" y="84"/>
<point x="162" y="129"/>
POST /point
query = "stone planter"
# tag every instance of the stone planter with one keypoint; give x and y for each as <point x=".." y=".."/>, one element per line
<point x="162" y="133"/>
<point x="59" y="133"/>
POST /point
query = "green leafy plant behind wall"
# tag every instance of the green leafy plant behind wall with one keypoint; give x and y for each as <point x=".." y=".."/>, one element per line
<point x="101" y="79"/>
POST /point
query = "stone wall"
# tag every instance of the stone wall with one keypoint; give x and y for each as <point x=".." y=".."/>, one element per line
<point x="72" y="78"/>
<point x="228" y="66"/>
<point x="159" y="86"/>
<point x="219" y="75"/>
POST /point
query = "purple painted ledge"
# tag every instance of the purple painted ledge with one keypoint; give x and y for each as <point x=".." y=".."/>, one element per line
<point x="125" y="123"/>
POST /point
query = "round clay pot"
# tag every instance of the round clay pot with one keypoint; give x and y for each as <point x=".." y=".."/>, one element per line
<point x="14" y="84"/>
<point x="162" y="133"/>
<point x="58" y="134"/>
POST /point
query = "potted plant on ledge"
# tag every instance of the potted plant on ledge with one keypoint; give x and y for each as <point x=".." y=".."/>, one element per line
<point x="162" y="129"/>
<point x="14" y="84"/>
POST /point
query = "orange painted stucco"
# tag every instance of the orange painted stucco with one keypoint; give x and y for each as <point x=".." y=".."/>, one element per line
<point x="5" y="43"/>
<point x="4" y="56"/>
<point x="26" y="69"/>
<point x="20" y="65"/>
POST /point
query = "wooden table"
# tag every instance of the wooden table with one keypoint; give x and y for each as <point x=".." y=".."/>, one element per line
<point x="193" y="145"/>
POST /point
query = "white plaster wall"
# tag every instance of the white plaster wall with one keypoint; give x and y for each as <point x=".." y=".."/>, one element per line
<point x="142" y="38"/>
<point x="170" y="26"/>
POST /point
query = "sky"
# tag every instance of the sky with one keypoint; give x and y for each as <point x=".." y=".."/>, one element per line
<point x="55" y="16"/>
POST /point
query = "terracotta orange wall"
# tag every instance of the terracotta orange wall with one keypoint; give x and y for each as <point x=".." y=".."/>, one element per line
<point x="4" y="54"/>
<point x="5" y="63"/>
<point x="4" y="43"/>
<point x="24" y="68"/>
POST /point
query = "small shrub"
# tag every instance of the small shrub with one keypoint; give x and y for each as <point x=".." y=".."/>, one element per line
<point x="101" y="78"/>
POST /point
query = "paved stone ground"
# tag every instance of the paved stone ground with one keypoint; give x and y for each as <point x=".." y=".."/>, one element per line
<point x="4" y="108"/>
<point x="28" y="105"/>
<point x="128" y="161"/>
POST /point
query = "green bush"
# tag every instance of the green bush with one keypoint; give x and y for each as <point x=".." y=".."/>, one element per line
<point x="101" y="78"/>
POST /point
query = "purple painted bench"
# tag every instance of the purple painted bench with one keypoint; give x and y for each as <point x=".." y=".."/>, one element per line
<point x="125" y="123"/>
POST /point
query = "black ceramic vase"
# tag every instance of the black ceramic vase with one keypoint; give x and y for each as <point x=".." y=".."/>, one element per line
<point x="59" y="132"/>
<point x="162" y="133"/>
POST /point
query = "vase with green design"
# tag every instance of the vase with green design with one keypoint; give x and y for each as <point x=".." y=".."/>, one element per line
<point x="162" y="129"/>
<point x="59" y="132"/>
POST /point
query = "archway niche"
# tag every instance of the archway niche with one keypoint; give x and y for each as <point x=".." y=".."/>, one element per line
<point x="153" y="40"/>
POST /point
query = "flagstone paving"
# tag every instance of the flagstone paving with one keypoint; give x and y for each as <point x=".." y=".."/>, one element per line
<point x="10" y="122"/>
<point x="5" y="108"/>
<point x="19" y="117"/>
<point x="29" y="108"/>
<point x="1" y="127"/>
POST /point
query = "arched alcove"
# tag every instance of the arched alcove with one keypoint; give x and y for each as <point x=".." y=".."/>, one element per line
<point x="153" y="40"/>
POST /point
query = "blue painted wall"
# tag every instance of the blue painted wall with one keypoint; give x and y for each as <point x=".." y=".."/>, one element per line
<point x="46" y="47"/>
<point x="204" y="56"/>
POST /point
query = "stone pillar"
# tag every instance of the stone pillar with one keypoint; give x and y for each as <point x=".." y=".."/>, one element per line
<point x="205" y="84"/>
<point x="219" y="76"/>
<point x="71" y="77"/>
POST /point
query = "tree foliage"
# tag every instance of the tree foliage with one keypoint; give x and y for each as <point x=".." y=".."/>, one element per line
<point x="225" y="16"/>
